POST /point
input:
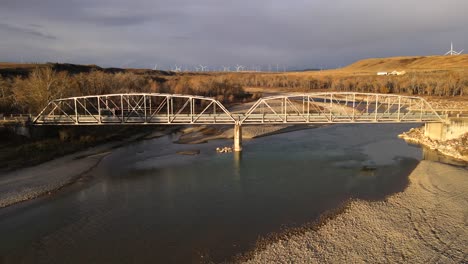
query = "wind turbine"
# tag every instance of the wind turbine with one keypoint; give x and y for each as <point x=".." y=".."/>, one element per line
<point x="226" y="69"/>
<point x="239" y="68"/>
<point x="203" y="68"/>
<point x="176" y="68"/>
<point x="452" y="52"/>
<point x="155" y="67"/>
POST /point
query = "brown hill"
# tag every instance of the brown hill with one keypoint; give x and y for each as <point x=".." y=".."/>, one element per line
<point x="421" y="63"/>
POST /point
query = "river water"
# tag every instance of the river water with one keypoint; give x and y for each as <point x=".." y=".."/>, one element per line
<point x="144" y="203"/>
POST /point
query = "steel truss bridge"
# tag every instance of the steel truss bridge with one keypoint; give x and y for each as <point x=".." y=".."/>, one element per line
<point x="167" y="109"/>
<point x="177" y="109"/>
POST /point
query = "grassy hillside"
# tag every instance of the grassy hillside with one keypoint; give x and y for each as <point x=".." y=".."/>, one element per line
<point x="365" y="66"/>
<point x="421" y="63"/>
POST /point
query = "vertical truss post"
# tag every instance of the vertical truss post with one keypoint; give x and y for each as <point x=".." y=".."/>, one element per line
<point x="121" y="108"/>
<point x="263" y="112"/>
<point x="331" y="106"/>
<point x="191" y="109"/>
<point x="144" y="105"/>
<point x="376" y="107"/>
<point x="172" y="105"/>
<point x="285" y="110"/>
<point x="99" y="109"/>
<point x="354" y="106"/>
<point x="168" y="110"/>
<point x="399" y="107"/>
<point x="151" y="112"/>
<point x="76" y="111"/>
<point x="421" y="115"/>
<point x="214" y="112"/>
<point x="308" y="109"/>
<point x="367" y="105"/>
<point x="303" y="105"/>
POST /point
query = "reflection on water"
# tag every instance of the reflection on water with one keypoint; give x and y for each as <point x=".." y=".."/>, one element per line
<point x="144" y="203"/>
<point x="237" y="163"/>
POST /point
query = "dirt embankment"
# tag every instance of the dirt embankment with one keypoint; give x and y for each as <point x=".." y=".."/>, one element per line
<point x="455" y="148"/>
<point x="427" y="223"/>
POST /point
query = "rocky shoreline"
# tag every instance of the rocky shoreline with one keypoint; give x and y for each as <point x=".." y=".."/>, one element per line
<point x="426" y="223"/>
<point x="455" y="148"/>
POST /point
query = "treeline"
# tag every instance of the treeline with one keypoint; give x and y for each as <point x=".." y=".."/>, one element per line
<point x="30" y="94"/>
<point x="419" y="83"/>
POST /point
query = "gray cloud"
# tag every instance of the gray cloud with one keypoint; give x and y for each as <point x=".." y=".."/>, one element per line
<point x="295" y="33"/>
<point x="25" y="30"/>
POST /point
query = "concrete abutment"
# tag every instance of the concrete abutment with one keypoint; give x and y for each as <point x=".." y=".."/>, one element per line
<point x="453" y="128"/>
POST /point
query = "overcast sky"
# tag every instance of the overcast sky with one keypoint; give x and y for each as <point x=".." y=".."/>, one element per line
<point x="296" y="33"/>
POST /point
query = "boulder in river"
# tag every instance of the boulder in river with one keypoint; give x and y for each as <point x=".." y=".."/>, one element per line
<point x="224" y="150"/>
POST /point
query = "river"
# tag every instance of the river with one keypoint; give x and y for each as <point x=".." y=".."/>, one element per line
<point x="144" y="203"/>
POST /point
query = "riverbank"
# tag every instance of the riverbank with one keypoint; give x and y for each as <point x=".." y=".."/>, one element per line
<point x="455" y="148"/>
<point x="49" y="143"/>
<point x="32" y="182"/>
<point x="424" y="224"/>
<point x="43" y="179"/>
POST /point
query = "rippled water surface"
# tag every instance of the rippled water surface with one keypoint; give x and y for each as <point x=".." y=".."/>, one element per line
<point x="144" y="203"/>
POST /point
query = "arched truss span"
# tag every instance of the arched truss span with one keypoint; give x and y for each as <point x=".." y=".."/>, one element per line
<point x="340" y="107"/>
<point x="135" y="108"/>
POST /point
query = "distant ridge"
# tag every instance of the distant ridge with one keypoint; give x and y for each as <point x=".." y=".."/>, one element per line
<point x="23" y="69"/>
<point x="416" y="63"/>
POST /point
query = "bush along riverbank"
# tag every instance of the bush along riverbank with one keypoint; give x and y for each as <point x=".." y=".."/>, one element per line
<point x="455" y="148"/>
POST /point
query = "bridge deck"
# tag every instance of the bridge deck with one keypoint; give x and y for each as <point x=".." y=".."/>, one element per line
<point x="257" y="119"/>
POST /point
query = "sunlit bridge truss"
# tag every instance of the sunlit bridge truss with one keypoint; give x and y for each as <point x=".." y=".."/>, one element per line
<point x="340" y="107"/>
<point x="154" y="108"/>
<point x="135" y="108"/>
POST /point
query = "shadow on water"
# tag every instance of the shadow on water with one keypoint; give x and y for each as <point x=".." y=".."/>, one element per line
<point x="144" y="203"/>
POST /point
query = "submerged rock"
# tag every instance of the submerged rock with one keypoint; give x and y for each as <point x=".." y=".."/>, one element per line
<point x="368" y="168"/>
<point x="189" y="152"/>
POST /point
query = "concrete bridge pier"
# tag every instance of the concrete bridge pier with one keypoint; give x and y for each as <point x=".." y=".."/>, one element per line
<point x="237" y="137"/>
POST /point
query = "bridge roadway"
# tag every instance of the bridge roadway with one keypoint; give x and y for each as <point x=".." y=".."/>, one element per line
<point x="254" y="119"/>
<point x="175" y="109"/>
